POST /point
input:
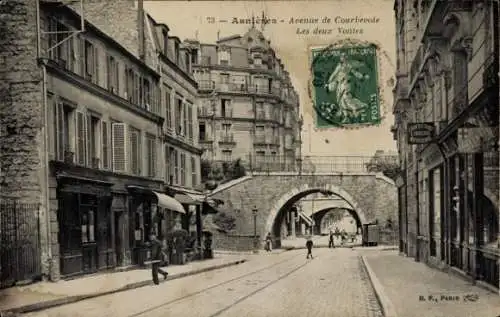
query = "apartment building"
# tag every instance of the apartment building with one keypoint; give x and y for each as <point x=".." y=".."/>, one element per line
<point x="249" y="109"/>
<point x="447" y="79"/>
<point x="118" y="160"/>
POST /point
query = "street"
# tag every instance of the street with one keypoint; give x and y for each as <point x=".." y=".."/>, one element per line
<point x="334" y="283"/>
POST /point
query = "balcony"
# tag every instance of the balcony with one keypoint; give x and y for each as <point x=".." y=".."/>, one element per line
<point x="227" y="138"/>
<point x="458" y="103"/>
<point x="205" y="112"/>
<point x="232" y="87"/>
<point x="204" y="85"/>
<point x="416" y="65"/>
<point x="205" y="139"/>
<point x="260" y="115"/>
<point x="227" y="113"/>
<point x="260" y="140"/>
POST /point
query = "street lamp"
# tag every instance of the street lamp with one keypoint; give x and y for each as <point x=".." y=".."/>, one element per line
<point x="254" y="212"/>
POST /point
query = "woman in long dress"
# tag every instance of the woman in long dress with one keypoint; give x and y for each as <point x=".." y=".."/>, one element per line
<point x="339" y="82"/>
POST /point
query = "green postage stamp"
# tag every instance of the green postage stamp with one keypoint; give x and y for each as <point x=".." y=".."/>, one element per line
<point x="345" y="86"/>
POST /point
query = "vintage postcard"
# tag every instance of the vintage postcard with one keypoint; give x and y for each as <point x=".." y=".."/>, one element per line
<point x="249" y="158"/>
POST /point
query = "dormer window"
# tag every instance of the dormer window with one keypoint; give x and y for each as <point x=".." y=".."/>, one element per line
<point x="177" y="55"/>
<point x="194" y="57"/>
<point x="165" y="43"/>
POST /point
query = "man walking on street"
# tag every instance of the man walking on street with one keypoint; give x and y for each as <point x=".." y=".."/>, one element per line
<point x="156" y="253"/>
<point x="309" y="246"/>
<point x="330" y="242"/>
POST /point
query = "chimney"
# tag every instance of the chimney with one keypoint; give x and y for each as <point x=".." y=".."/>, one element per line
<point x="140" y="29"/>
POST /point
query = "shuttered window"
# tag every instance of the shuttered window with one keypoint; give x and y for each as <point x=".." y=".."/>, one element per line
<point x="135" y="151"/>
<point x="105" y="145"/>
<point x="194" y="178"/>
<point x="113" y="75"/>
<point x="183" y="170"/>
<point x="151" y="155"/>
<point x="184" y="115"/>
<point x="168" y="108"/>
<point x="81" y="138"/>
<point x="119" y="147"/>
<point x="176" y="166"/>
<point x="190" y="121"/>
<point x="59" y="136"/>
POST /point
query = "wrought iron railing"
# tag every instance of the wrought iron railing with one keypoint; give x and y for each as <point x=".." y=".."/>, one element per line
<point x="19" y="242"/>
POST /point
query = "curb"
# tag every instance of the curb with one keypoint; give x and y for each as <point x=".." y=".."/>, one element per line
<point x="385" y="303"/>
<point x="77" y="298"/>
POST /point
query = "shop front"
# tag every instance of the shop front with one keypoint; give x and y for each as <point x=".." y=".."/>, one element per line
<point x="85" y="225"/>
<point x="151" y="212"/>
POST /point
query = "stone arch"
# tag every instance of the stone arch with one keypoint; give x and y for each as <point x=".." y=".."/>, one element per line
<point x="306" y="189"/>
<point x="325" y="211"/>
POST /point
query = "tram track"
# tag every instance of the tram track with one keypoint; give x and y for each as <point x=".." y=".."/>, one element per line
<point x="240" y="280"/>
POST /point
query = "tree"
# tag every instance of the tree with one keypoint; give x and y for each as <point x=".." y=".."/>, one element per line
<point x="225" y="221"/>
<point x="221" y="172"/>
<point x="383" y="163"/>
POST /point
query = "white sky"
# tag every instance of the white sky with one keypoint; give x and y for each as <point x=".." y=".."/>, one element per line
<point x="188" y="19"/>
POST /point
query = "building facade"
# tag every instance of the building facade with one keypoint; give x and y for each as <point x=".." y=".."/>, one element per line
<point x="249" y="109"/>
<point x="447" y="77"/>
<point x="106" y="166"/>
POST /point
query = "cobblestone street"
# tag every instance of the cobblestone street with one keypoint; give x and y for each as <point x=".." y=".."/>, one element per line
<point x="334" y="283"/>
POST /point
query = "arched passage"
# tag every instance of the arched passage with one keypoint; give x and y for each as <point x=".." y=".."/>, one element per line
<point x="291" y="197"/>
<point x="321" y="215"/>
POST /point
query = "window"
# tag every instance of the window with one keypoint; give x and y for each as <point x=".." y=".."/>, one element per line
<point x="113" y="75"/>
<point x="260" y="157"/>
<point x="202" y="131"/>
<point x="145" y="92"/>
<point x="224" y="78"/>
<point x="165" y="43"/>
<point x="175" y="157"/>
<point x="63" y="54"/>
<point x="226" y="128"/>
<point x="194" y="178"/>
<point x="190" y="121"/>
<point x="184" y="115"/>
<point x="63" y="116"/>
<point x="171" y="165"/>
<point x="177" y="54"/>
<point x="270" y="84"/>
<point x="178" y="114"/>
<point x="225" y="108"/>
<point x="194" y="56"/>
<point x="88" y="224"/>
<point x="93" y="131"/>
<point x="224" y="57"/>
<point x="151" y="155"/>
<point x="132" y="92"/>
<point x="259" y="107"/>
<point x="90" y="61"/>
<point x="105" y="145"/>
<point x="168" y="107"/>
<point x="119" y="147"/>
<point x="183" y="170"/>
<point x="81" y="138"/>
<point x="135" y="151"/>
<point x="259" y="134"/>
<point x="226" y="155"/>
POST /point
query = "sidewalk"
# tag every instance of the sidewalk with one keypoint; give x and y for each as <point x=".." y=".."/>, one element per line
<point x="406" y="288"/>
<point x="42" y="295"/>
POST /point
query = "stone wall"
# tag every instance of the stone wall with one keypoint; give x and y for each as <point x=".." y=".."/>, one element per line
<point x="21" y="99"/>
<point x="233" y="242"/>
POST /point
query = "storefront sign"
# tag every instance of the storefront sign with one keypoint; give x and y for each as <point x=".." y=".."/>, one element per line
<point x="421" y="133"/>
<point x="475" y="139"/>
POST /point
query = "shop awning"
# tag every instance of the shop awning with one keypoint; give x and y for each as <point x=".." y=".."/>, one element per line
<point x="168" y="202"/>
<point x="190" y="199"/>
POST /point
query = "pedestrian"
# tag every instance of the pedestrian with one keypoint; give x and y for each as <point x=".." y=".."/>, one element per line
<point x="330" y="242"/>
<point x="309" y="246"/>
<point x="269" y="243"/>
<point x="156" y="254"/>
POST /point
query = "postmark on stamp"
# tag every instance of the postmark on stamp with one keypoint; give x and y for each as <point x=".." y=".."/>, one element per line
<point x="345" y="86"/>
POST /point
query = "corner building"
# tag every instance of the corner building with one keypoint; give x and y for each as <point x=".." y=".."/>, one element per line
<point x="447" y="75"/>
<point x="249" y="109"/>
